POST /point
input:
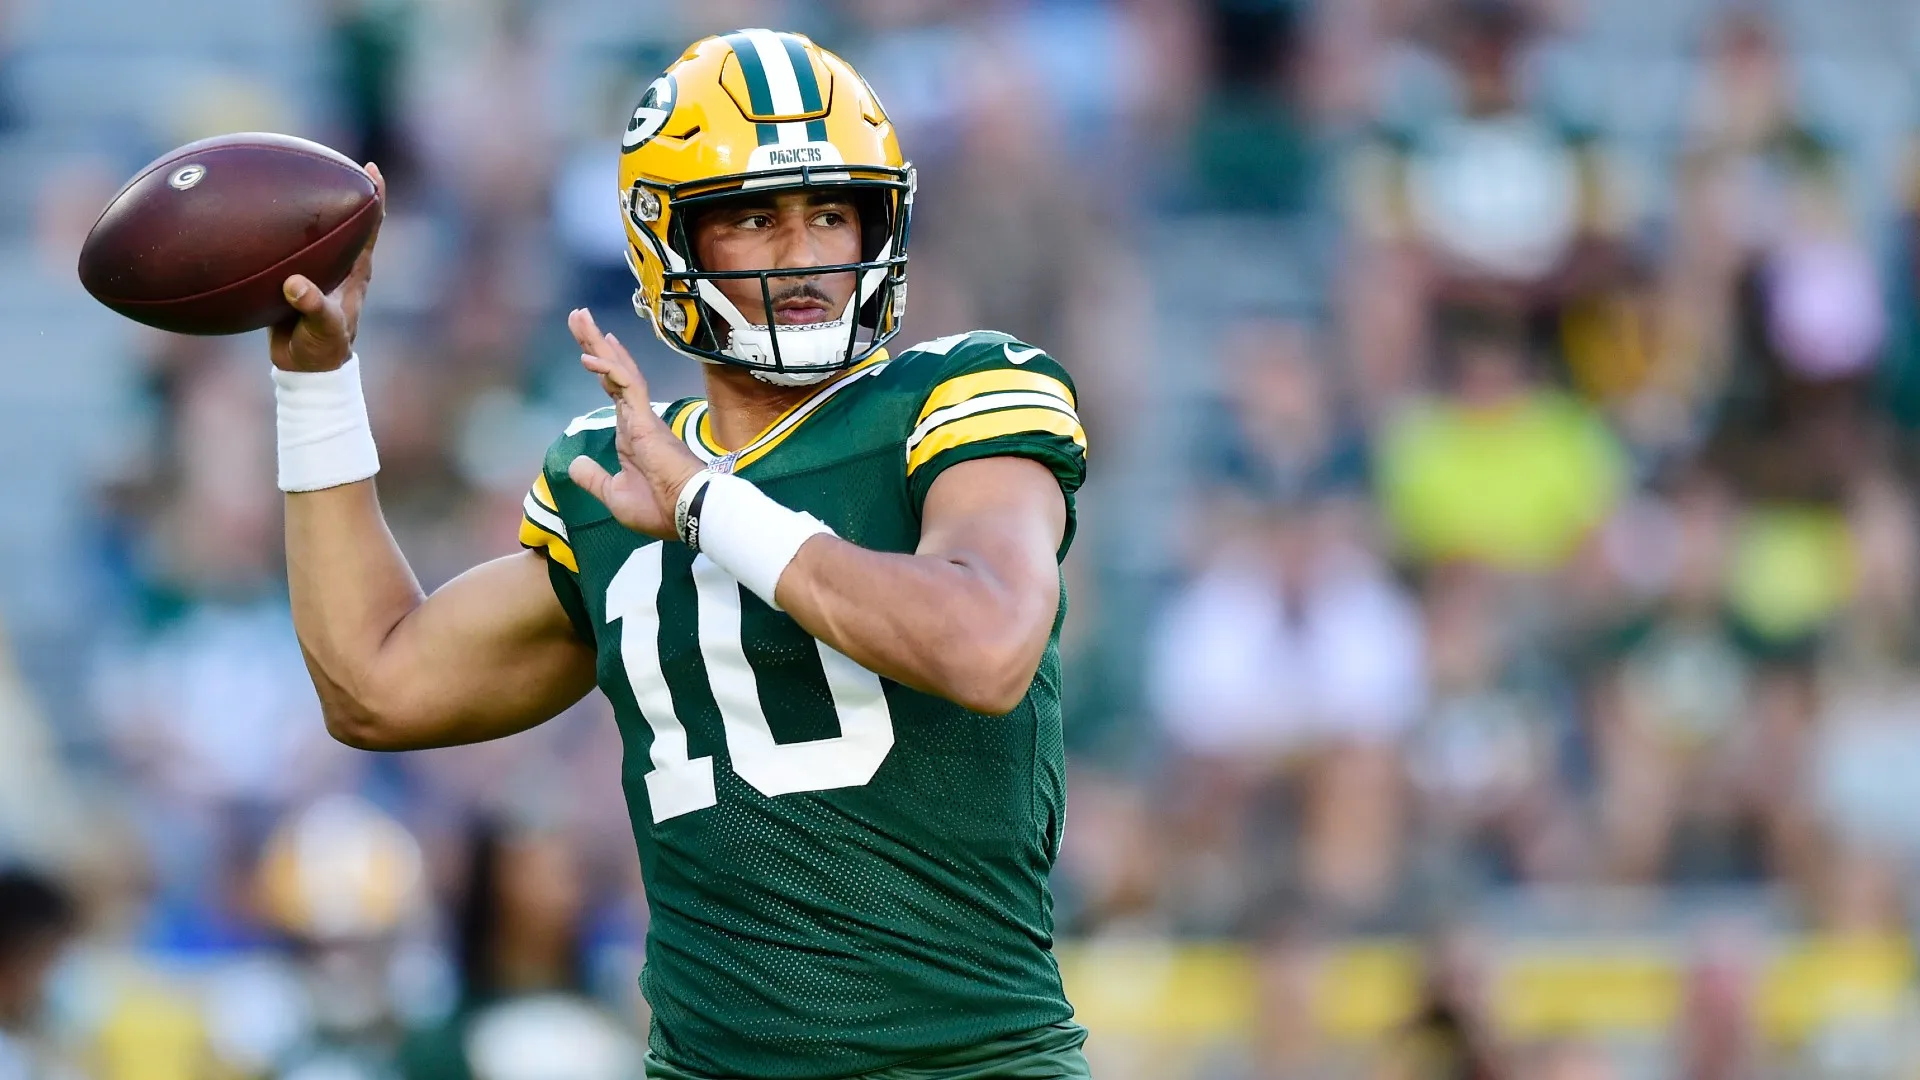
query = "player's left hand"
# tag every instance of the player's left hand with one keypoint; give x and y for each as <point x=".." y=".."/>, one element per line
<point x="654" y="464"/>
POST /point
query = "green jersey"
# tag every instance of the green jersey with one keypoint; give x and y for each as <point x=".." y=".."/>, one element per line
<point x="843" y="873"/>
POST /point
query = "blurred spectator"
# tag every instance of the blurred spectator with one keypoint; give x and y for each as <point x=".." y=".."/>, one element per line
<point x="1250" y="148"/>
<point x="370" y="51"/>
<point x="1449" y="1035"/>
<point x="488" y="155"/>
<point x="524" y="1012"/>
<point x="1292" y="437"/>
<point x="1670" y="711"/>
<point x="37" y="920"/>
<point x="1774" y="284"/>
<point x="1294" y="646"/>
<point x="1899" y="383"/>
<point x="344" y="882"/>
<point x="1868" y="732"/>
<point x="1498" y="470"/>
<point x="1007" y="234"/>
<point x="1486" y="200"/>
<point x="1717" y="1015"/>
<point x="41" y="816"/>
<point x="1809" y="331"/>
<point x="1290" y="963"/>
<point x="1485" y="759"/>
<point x="1292" y="634"/>
<point x="1109" y="879"/>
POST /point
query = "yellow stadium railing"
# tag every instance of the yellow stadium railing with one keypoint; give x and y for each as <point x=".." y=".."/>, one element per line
<point x="1361" y="990"/>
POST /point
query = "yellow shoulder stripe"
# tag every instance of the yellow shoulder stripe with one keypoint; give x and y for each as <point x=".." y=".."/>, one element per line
<point x="962" y="387"/>
<point x="992" y="425"/>
<point x="543" y="494"/>
<point x="534" y="536"/>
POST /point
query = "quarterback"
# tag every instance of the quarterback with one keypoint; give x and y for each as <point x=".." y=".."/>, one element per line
<point x="824" y="599"/>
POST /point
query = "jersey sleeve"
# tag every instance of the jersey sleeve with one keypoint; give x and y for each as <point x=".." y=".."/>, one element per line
<point x="542" y="530"/>
<point x="543" y="523"/>
<point x="998" y="398"/>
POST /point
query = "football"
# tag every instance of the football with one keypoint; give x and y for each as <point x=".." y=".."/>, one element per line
<point x="200" y="241"/>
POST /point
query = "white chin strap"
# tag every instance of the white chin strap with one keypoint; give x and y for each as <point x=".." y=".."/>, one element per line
<point x="809" y="352"/>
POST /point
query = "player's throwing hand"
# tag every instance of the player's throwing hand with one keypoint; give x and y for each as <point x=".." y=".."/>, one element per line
<point x="654" y="464"/>
<point x="321" y="338"/>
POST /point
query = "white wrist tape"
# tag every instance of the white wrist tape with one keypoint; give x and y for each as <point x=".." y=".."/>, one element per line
<point x="743" y="531"/>
<point x="325" y="439"/>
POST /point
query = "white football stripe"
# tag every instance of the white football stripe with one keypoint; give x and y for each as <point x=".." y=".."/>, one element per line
<point x="984" y="403"/>
<point x="544" y="517"/>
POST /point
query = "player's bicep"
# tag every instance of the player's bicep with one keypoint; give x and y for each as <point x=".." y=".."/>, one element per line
<point x="1004" y="517"/>
<point x="490" y="653"/>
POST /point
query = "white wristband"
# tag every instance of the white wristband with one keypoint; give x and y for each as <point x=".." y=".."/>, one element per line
<point x="743" y="531"/>
<point x="325" y="439"/>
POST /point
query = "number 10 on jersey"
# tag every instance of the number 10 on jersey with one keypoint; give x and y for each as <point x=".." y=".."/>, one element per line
<point x="679" y="784"/>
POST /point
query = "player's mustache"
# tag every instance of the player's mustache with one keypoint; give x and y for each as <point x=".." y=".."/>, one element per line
<point x="806" y="290"/>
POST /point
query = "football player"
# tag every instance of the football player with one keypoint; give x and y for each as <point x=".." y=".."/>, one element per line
<point x="824" y="599"/>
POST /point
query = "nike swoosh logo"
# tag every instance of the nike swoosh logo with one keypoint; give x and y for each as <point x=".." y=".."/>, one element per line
<point x="1021" y="356"/>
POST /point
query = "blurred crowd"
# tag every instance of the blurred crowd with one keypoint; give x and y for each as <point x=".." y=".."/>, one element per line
<point x="1504" y="415"/>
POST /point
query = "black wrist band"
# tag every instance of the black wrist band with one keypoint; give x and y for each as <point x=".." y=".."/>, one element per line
<point x="690" y="528"/>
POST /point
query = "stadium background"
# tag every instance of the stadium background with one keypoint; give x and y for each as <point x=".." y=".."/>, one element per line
<point x="1496" y="613"/>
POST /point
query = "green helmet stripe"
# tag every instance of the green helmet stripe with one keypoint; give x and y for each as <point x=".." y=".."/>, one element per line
<point x="809" y="86"/>
<point x="759" y="93"/>
<point x="803" y="73"/>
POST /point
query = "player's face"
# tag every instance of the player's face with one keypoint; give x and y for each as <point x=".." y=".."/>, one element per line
<point x="788" y="230"/>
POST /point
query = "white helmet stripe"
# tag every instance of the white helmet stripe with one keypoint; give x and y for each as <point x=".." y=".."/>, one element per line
<point x="782" y="82"/>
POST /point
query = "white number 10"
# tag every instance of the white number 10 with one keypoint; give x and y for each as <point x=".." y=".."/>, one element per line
<point x="679" y="784"/>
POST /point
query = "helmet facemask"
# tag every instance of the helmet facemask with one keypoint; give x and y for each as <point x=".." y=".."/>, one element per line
<point x="693" y="315"/>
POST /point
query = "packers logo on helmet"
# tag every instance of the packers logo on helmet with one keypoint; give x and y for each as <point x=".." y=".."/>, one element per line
<point x="759" y="111"/>
<point x="654" y="108"/>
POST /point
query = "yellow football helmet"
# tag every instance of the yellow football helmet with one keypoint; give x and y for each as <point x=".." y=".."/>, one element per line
<point x="757" y="110"/>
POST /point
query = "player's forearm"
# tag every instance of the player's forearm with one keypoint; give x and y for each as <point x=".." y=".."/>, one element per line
<point x="350" y="587"/>
<point x="943" y="624"/>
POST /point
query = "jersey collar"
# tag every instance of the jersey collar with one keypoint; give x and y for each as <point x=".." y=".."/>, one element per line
<point x="695" y="426"/>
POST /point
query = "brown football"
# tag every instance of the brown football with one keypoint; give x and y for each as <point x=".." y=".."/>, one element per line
<point x="201" y="240"/>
